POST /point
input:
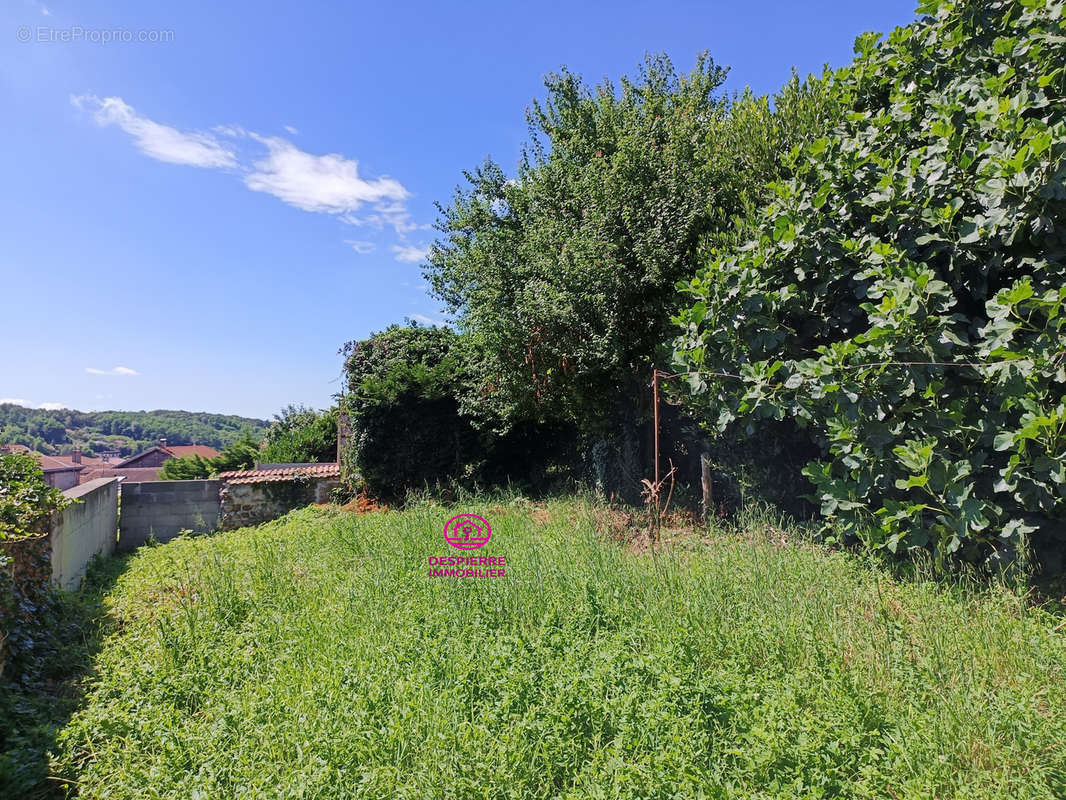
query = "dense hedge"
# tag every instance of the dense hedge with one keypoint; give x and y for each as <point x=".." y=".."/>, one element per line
<point x="406" y="428"/>
<point x="26" y="507"/>
<point x="928" y="226"/>
<point x="408" y="431"/>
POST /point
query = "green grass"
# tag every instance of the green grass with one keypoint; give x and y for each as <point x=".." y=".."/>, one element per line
<point x="41" y="688"/>
<point x="314" y="658"/>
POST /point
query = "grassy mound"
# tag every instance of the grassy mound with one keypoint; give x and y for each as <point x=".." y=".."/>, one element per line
<point x="315" y="657"/>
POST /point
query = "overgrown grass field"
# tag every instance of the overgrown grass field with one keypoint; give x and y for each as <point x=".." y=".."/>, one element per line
<point x="314" y="657"/>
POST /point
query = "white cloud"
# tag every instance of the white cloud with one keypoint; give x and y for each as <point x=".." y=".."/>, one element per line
<point x="362" y="248"/>
<point x="393" y="214"/>
<point x="112" y="371"/>
<point x="45" y="11"/>
<point x="51" y="406"/>
<point x="422" y="318"/>
<point x="17" y="401"/>
<point x="158" y="141"/>
<point x="409" y="254"/>
<point x="328" y="183"/>
<point x="233" y="131"/>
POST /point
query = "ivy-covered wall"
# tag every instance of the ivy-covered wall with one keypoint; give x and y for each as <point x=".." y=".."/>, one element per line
<point x="245" y="504"/>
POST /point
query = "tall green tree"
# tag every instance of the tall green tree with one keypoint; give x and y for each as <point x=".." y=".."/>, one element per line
<point x="564" y="276"/>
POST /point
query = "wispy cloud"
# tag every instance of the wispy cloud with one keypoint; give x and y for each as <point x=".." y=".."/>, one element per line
<point x="328" y="183"/>
<point x="423" y="319"/>
<point x="159" y="141"/>
<point x="17" y="401"/>
<point x="361" y="247"/>
<point x="51" y="406"/>
<point x="409" y="254"/>
<point x="112" y="371"/>
<point x="45" y="11"/>
<point x="394" y="215"/>
<point x="233" y="131"/>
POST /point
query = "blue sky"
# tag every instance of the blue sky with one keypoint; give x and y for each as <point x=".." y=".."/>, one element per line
<point x="201" y="219"/>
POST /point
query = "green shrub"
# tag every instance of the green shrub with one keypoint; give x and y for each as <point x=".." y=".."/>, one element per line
<point x="928" y="226"/>
<point x="406" y="429"/>
<point x="26" y="500"/>
<point x="301" y="435"/>
<point x="26" y="507"/>
<point x="242" y="454"/>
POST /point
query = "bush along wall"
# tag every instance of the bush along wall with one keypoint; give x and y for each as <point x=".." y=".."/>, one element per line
<point x="903" y="296"/>
<point x="407" y="432"/>
<point x="26" y="507"/>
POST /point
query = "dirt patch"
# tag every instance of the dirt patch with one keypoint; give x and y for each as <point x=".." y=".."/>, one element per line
<point x="541" y="516"/>
<point x="630" y="529"/>
<point x="363" y="504"/>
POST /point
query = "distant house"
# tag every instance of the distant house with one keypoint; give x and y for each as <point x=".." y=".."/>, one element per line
<point x="65" y="472"/>
<point x="156" y="456"/>
<point x="146" y="466"/>
<point x="59" y="472"/>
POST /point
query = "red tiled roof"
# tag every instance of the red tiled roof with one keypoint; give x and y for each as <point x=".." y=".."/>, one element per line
<point x="282" y="473"/>
<point x="131" y="474"/>
<point x="56" y="464"/>
<point x="174" y="451"/>
<point x="86" y="461"/>
<point x="187" y="450"/>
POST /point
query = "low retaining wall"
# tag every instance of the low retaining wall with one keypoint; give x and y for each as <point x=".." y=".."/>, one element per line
<point x="243" y="504"/>
<point x="83" y="529"/>
<point x="162" y="509"/>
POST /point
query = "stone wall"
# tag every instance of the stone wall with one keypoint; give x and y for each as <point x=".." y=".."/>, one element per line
<point x="243" y="504"/>
<point x="83" y="529"/>
<point x="163" y="509"/>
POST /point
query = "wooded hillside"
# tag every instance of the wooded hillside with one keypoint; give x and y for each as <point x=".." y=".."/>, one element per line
<point x="126" y="431"/>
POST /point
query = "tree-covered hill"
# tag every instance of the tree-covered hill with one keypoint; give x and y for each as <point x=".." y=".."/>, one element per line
<point x="126" y="431"/>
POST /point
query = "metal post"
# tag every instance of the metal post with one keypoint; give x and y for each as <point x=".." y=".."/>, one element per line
<point x="655" y="403"/>
<point x="708" y="488"/>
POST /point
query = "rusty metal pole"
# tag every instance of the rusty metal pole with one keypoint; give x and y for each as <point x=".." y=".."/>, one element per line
<point x="708" y="487"/>
<point x="655" y="403"/>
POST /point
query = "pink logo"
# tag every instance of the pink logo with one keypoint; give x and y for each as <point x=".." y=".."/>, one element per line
<point x="467" y="532"/>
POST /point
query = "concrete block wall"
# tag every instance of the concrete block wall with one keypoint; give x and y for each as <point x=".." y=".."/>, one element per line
<point x="162" y="509"/>
<point x="83" y="529"/>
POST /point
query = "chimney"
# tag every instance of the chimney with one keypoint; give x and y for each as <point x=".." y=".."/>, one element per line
<point x="75" y="457"/>
<point x="163" y="443"/>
